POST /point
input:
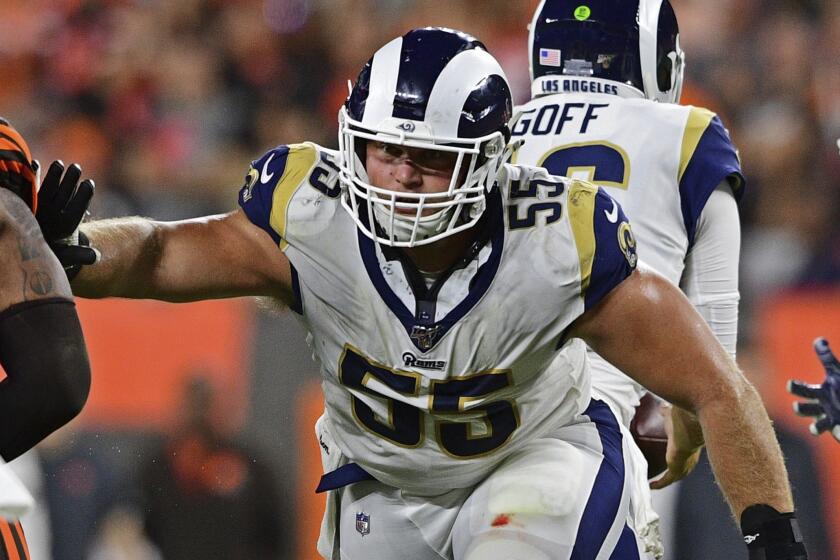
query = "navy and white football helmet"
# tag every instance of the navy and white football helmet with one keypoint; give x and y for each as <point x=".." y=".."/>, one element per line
<point x="632" y="42"/>
<point x="435" y="89"/>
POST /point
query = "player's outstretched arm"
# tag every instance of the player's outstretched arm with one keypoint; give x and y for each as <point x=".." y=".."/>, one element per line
<point x="202" y="258"/>
<point x="649" y="330"/>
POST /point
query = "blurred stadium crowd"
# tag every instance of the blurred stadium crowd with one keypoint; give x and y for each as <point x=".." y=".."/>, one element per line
<point x="164" y="103"/>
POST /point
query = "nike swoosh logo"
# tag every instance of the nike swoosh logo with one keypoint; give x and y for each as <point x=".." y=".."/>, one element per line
<point x="612" y="216"/>
<point x="265" y="176"/>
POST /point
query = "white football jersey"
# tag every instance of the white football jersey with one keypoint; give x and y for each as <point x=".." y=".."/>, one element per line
<point x="661" y="162"/>
<point x="429" y="388"/>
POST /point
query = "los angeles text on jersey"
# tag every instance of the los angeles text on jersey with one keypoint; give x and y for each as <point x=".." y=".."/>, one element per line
<point x="567" y="85"/>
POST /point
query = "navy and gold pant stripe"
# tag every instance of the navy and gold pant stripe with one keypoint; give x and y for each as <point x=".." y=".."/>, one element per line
<point x="12" y="541"/>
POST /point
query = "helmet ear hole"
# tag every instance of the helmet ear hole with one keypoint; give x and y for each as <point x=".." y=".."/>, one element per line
<point x="664" y="73"/>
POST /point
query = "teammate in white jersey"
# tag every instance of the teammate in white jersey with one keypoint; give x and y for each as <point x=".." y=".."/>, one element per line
<point x="606" y="80"/>
<point x="438" y="283"/>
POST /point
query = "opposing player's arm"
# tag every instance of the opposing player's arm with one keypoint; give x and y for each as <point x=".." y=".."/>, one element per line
<point x="203" y="258"/>
<point x="647" y="328"/>
<point x="42" y="349"/>
<point x="29" y="269"/>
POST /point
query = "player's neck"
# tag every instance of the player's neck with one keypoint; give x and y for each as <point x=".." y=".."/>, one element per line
<point x="441" y="255"/>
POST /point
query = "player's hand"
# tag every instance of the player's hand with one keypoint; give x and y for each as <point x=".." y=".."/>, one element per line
<point x="62" y="203"/>
<point x="823" y="400"/>
<point x="685" y="442"/>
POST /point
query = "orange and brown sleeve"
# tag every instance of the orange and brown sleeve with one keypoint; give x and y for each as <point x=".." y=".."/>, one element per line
<point x="12" y="541"/>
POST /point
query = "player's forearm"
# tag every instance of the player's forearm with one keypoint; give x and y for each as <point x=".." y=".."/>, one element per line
<point x="668" y="348"/>
<point x="29" y="271"/>
<point x="131" y="253"/>
<point x="743" y="449"/>
<point x="210" y="257"/>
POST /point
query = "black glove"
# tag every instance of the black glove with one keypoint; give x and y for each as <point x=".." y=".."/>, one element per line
<point x="770" y="535"/>
<point x="62" y="204"/>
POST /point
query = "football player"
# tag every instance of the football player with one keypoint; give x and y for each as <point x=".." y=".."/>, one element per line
<point x="823" y="401"/>
<point x="437" y="283"/>
<point x="42" y="349"/>
<point x="606" y="79"/>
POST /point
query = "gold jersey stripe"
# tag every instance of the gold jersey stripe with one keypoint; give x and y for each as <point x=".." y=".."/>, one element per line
<point x="299" y="162"/>
<point x="698" y="122"/>
<point x="582" y="216"/>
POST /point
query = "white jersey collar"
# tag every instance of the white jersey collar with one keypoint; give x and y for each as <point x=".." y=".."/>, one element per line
<point x="550" y="85"/>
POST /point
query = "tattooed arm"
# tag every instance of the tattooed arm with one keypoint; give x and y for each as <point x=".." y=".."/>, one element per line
<point x="42" y="349"/>
<point x="28" y="269"/>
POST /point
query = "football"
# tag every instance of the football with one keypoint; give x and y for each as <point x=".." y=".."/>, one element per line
<point x="648" y="429"/>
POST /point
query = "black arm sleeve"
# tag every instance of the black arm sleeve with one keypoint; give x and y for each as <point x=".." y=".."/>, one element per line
<point x="43" y="352"/>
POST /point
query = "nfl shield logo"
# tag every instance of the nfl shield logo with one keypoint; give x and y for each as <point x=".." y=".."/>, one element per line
<point x="363" y="523"/>
<point x="424" y="337"/>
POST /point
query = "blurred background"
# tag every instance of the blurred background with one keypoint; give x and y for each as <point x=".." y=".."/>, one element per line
<point x="197" y="441"/>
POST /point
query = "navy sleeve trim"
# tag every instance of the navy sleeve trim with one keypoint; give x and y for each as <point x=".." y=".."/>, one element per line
<point x="615" y="249"/>
<point x="714" y="159"/>
<point x="297" y="303"/>
<point x="256" y="197"/>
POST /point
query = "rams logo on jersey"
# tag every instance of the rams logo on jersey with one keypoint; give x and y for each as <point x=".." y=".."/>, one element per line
<point x="411" y="360"/>
<point x="250" y="181"/>
<point x="627" y="242"/>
